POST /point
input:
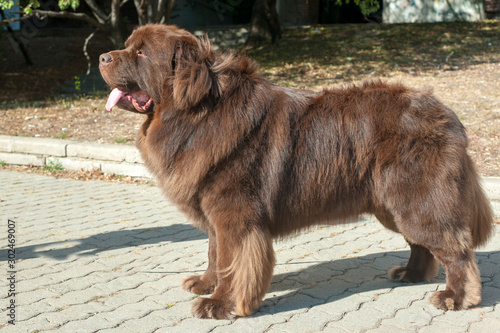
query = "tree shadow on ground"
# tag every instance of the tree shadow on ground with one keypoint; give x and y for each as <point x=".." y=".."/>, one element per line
<point x="361" y="49"/>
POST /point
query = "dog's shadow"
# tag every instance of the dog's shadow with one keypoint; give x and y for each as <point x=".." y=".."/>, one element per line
<point x="296" y="285"/>
<point x="108" y="241"/>
<point x="330" y="281"/>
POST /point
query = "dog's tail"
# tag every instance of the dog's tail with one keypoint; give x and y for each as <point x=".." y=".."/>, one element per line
<point x="482" y="215"/>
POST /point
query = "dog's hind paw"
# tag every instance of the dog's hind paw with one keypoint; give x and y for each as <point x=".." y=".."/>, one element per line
<point x="405" y="274"/>
<point x="448" y="300"/>
<point x="445" y="300"/>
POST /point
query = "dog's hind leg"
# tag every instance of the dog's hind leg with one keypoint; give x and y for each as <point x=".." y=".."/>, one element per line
<point x="422" y="266"/>
<point x="469" y="227"/>
<point x="447" y="238"/>
<point x="205" y="284"/>
<point x="463" y="282"/>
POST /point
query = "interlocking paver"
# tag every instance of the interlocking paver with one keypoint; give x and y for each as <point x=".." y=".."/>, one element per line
<point x="106" y="257"/>
<point x="259" y="322"/>
<point x="390" y="329"/>
<point x="411" y="317"/>
<point x="311" y="321"/>
<point x="485" y="325"/>
<point x="190" y="324"/>
<point x="363" y="318"/>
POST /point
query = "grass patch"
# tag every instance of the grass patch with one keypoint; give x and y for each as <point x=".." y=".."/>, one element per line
<point x="53" y="166"/>
<point x="123" y="140"/>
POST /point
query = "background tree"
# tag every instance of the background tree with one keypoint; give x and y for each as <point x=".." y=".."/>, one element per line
<point x="105" y="14"/>
<point x="17" y="42"/>
<point x="265" y="22"/>
<point x="266" y="26"/>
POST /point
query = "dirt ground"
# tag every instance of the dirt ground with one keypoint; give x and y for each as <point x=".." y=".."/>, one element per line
<point x="472" y="91"/>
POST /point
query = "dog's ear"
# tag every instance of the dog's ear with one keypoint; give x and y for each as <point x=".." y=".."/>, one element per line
<point x="194" y="81"/>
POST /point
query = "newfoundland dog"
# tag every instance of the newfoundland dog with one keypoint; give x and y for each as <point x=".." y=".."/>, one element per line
<point x="249" y="161"/>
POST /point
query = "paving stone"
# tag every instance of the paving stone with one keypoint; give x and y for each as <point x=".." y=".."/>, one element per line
<point x="103" y="257"/>
<point x="390" y="329"/>
<point x="93" y="323"/>
<point x="362" y="319"/>
<point x="327" y="289"/>
<point x="486" y="325"/>
<point x="136" y="325"/>
<point x="337" y="306"/>
<point x="173" y="315"/>
<point x="202" y="326"/>
<point x="462" y="318"/>
<point x="310" y="321"/>
<point x="259" y="322"/>
<point x="442" y="327"/>
<point x="409" y="318"/>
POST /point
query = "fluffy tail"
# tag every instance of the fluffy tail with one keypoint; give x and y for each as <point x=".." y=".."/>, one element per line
<point x="482" y="215"/>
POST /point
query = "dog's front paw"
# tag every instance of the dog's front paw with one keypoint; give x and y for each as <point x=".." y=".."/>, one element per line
<point x="213" y="308"/>
<point x="197" y="285"/>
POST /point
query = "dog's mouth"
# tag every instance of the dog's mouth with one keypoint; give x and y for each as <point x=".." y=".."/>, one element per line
<point x="138" y="101"/>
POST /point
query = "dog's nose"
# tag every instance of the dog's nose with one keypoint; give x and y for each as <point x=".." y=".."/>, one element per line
<point x="105" y="59"/>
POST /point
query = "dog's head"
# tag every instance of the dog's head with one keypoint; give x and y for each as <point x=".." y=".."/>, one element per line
<point x="160" y="65"/>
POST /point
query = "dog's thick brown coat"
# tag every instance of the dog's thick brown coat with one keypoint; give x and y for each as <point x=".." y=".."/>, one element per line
<point x="249" y="161"/>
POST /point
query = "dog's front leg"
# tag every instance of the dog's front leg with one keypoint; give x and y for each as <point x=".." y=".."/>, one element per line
<point x="245" y="262"/>
<point x="206" y="283"/>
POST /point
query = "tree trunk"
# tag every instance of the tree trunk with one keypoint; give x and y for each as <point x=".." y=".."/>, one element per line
<point x="165" y="16"/>
<point x="116" y="34"/>
<point x="18" y="42"/>
<point x="98" y="12"/>
<point x="141" y="7"/>
<point x="265" y="23"/>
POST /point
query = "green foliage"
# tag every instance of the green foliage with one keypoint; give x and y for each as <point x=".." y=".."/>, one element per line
<point x="122" y="140"/>
<point x="6" y="4"/>
<point x="78" y="83"/>
<point x="65" y="4"/>
<point x="367" y="6"/>
<point x="33" y="4"/>
<point x="53" y="166"/>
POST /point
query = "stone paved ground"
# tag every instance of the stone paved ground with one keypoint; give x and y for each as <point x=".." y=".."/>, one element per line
<point x="105" y="257"/>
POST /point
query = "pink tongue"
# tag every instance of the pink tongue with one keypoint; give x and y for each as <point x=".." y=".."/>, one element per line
<point x="113" y="98"/>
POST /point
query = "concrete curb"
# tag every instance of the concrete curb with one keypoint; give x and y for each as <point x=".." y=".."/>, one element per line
<point x="73" y="155"/>
<point x="109" y="158"/>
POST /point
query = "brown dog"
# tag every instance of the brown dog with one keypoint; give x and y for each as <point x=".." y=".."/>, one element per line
<point x="248" y="161"/>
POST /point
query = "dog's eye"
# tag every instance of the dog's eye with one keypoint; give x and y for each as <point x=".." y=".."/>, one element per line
<point x="140" y="53"/>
